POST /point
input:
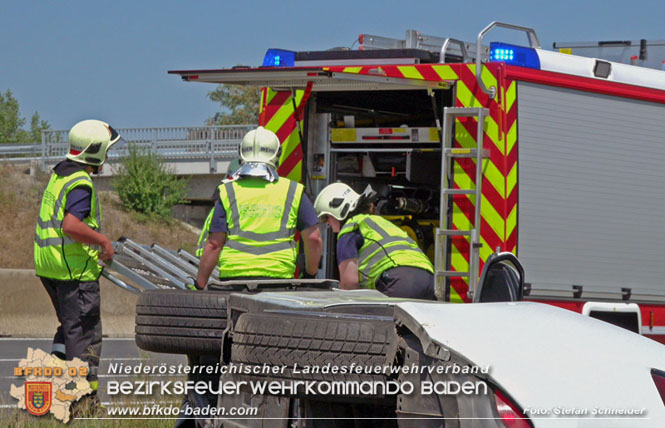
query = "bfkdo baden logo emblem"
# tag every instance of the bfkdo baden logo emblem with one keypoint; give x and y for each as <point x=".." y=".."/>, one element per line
<point x="38" y="397"/>
<point x="51" y="385"/>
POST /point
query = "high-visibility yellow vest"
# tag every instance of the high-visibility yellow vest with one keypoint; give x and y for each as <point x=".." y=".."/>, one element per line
<point x="58" y="256"/>
<point x="203" y="237"/>
<point x="262" y="219"/>
<point x="385" y="246"/>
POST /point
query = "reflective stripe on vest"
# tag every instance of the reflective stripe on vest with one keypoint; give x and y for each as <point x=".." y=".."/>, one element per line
<point x="258" y="251"/>
<point x="204" y="234"/>
<point x="384" y="247"/>
<point x="57" y="256"/>
<point x="262" y="220"/>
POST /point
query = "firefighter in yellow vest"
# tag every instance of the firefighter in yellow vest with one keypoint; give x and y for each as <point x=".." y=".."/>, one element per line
<point x="371" y="251"/>
<point x="67" y="240"/>
<point x="256" y="217"/>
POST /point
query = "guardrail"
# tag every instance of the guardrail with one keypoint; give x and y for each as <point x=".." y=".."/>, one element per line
<point x="20" y="151"/>
<point x="173" y="144"/>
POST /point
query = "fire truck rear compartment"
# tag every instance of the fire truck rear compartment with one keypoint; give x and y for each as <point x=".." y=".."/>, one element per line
<point x="389" y="139"/>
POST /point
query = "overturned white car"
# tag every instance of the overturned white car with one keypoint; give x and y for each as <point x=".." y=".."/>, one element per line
<point x="302" y="353"/>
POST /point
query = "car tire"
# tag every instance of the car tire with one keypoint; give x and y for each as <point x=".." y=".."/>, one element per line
<point x="181" y="321"/>
<point x="314" y="340"/>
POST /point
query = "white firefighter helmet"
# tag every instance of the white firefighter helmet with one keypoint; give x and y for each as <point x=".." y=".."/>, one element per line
<point x="261" y="145"/>
<point x="336" y="200"/>
<point x="89" y="141"/>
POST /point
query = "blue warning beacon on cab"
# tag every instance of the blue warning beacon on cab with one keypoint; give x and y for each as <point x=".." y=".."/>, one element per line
<point x="514" y="55"/>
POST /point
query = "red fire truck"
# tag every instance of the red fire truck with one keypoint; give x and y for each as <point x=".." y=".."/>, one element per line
<point x="480" y="148"/>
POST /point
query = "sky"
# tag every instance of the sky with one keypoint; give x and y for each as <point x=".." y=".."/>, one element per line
<point x="108" y="60"/>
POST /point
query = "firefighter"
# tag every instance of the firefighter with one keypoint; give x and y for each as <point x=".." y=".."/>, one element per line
<point x="372" y="252"/>
<point x="256" y="217"/>
<point x="254" y="220"/>
<point x="69" y="242"/>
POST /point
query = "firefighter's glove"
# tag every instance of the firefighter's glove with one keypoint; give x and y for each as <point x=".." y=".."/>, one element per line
<point x="194" y="286"/>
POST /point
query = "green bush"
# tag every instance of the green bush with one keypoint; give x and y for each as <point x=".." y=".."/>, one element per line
<point x="145" y="185"/>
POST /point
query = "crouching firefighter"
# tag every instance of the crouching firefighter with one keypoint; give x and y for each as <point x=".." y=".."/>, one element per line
<point x="252" y="229"/>
<point x="66" y="244"/>
<point x="371" y="251"/>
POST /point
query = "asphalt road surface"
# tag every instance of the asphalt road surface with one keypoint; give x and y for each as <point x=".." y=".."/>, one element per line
<point x="114" y="350"/>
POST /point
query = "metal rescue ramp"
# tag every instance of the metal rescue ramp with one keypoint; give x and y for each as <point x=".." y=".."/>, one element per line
<point x="150" y="267"/>
<point x="443" y="236"/>
<point x="137" y="268"/>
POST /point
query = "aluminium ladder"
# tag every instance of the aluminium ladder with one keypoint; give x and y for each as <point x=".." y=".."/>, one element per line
<point x="443" y="234"/>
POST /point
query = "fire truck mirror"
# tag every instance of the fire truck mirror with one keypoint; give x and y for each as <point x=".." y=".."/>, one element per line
<point x="502" y="280"/>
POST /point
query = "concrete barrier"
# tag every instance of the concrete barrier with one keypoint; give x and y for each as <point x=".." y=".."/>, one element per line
<point x="26" y="310"/>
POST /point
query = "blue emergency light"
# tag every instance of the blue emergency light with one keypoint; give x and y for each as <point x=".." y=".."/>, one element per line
<point x="514" y="55"/>
<point x="279" y="58"/>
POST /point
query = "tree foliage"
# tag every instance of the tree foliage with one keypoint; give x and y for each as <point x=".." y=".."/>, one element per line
<point x="240" y="105"/>
<point x="37" y="125"/>
<point x="146" y="186"/>
<point x="12" y="124"/>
